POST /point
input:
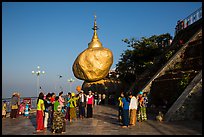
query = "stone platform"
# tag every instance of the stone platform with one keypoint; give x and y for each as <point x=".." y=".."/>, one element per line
<point x="104" y="122"/>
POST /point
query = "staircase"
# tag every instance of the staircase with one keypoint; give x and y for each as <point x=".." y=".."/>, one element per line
<point x="169" y="83"/>
<point x="144" y="81"/>
<point x="188" y="105"/>
<point x="174" y="84"/>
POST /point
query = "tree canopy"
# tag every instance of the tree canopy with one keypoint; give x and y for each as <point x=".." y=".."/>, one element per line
<point x="140" y="56"/>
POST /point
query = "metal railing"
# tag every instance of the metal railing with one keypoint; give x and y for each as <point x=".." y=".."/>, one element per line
<point x="33" y="102"/>
<point x="8" y="100"/>
<point x="192" y="18"/>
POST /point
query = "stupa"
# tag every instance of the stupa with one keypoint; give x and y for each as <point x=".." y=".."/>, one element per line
<point x="93" y="63"/>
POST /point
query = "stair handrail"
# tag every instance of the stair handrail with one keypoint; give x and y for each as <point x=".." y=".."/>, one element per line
<point x="189" y="20"/>
<point x="169" y="61"/>
<point x="178" y="103"/>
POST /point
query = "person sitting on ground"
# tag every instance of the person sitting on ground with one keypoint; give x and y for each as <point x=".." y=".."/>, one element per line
<point x="160" y="117"/>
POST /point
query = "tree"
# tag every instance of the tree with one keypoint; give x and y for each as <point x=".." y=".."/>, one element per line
<point x="140" y="56"/>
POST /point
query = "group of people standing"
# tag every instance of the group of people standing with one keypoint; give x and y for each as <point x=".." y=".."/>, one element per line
<point x="132" y="108"/>
<point x="53" y="111"/>
<point x="17" y="108"/>
<point x="184" y="23"/>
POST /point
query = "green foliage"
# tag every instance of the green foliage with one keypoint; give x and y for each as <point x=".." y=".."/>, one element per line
<point x="168" y="55"/>
<point x="140" y="56"/>
<point x="184" y="82"/>
<point x="178" y="65"/>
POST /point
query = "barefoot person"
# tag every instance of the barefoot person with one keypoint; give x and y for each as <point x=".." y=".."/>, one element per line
<point x="133" y="109"/>
<point x="14" y="105"/>
<point x="40" y="113"/>
<point x="72" y="106"/>
<point x="125" y="105"/>
<point x="82" y="104"/>
<point x="90" y="103"/>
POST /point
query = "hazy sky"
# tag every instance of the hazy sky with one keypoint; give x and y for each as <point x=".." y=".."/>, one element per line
<point x="52" y="34"/>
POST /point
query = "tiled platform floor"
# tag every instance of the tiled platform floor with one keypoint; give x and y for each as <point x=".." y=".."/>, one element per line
<point x="104" y="122"/>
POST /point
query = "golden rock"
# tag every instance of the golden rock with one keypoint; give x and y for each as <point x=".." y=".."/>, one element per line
<point x="93" y="63"/>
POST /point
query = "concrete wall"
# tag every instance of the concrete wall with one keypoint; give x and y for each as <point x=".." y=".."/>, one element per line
<point x="189" y="105"/>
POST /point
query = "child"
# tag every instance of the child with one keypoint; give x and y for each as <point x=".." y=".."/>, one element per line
<point x="4" y="109"/>
<point x="26" y="113"/>
<point x="22" y="108"/>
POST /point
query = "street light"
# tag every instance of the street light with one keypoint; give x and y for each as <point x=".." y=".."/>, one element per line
<point x="38" y="72"/>
<point x="70" y="83"/>
<point x="57" y="81"/>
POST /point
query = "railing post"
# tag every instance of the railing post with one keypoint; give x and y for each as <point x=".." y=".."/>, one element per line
<point x="192" y="18"/>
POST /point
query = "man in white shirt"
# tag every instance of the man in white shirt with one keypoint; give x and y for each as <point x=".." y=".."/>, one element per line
<point x="133" y="109"/>
<point x="82" y="104"/>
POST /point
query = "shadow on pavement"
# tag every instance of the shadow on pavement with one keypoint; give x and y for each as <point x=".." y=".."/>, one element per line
<point x="33" y="120"/>
<point x="106" y="118"/>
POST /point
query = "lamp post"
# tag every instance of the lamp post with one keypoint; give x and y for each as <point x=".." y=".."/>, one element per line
<point x="57" y="83"/>
<point x="38" y="72"/>
<point x="70" y="83"/>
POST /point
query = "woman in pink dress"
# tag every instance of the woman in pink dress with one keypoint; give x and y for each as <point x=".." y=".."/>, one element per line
<point x="90" y="103"/>
<point x="61" y="99"/>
